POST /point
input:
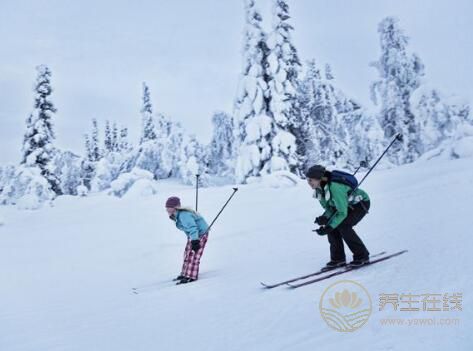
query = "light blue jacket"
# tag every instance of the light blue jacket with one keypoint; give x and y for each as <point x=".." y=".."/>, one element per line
<point x="191" y="223"/>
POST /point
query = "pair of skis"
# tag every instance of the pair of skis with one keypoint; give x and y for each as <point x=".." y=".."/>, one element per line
<point x="304" y="280"/>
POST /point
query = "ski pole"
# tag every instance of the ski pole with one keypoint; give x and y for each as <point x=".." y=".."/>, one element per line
<point x="226" y="203"/>
<point x="397" y="137"/>
<point x="196" y="191"/>
<point x="356" y="170"/>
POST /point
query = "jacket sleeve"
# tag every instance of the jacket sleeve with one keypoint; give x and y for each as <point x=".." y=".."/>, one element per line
<point x="189" y="225"/>
<point x="340" y="200"/>
<point x="328" y="213"/>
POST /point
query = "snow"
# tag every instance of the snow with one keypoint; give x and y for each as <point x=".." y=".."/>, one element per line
<point x="137" y="181"/>
<point x="67" y="270"/>
<point x="258" y="128"/>
<point x="26" y="187"/>
<point x="280" y="179"/>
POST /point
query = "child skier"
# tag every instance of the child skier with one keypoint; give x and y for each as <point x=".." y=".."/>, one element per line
<point x="342" y="213"/>
<point x="196" y="229"/>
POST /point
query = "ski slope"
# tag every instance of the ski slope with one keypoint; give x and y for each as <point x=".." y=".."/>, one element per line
<point x="67" y="271"/>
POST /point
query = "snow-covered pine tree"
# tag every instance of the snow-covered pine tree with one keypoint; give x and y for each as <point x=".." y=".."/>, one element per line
<point x="366" y="138"/>
<point x="94" y="142"/>
<point x="67" y="166"/>
<point x="173" y="151"/>
<point x="439" y="117"/>
<point x="163" y="126"/>
<point x="400" y="75"/>
<point x="88" y="147"/>
<point x="357" y="130"/>
<point x="148" y="131"/>
<point x="93" y="154"/>
<point x="434" y="119"/>
<point x="123" y="144"/>
<point x="323" y="112"/>
<point x="193" y="161"/>
<point x="87" y="165"/>
<point x="328" y="72"/>
<point x="38" y="143"/>
<point x="108" y="142"/>
<point x="153" y="154"/>
<point x="255" y="127"/>
<point x="222" y="145"/>
<point x="115" y="137"/>
<point x="283" y="67"/>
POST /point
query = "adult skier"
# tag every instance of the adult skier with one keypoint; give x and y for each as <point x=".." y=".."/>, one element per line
<point x="344" y="208"/>
<point x="196" y="229"/>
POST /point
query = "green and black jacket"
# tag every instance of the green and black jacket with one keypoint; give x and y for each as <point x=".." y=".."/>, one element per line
<point x="334" y="198"/>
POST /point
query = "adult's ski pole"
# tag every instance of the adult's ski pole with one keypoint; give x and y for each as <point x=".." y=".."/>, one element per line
<point x="226" y="203"/>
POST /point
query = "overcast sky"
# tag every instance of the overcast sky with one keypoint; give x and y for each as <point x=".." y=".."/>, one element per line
<point x="189" y="53"/>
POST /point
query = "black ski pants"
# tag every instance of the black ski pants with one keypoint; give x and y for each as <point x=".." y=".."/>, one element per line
<point x="345" y="232"/>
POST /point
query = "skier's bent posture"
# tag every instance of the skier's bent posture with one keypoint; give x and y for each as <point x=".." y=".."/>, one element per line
<point x="342" y="213"/>
<point x="196" y="229"/>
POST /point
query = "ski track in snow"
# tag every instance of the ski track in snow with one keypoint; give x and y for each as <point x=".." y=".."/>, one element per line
<point x="68" y="271"/>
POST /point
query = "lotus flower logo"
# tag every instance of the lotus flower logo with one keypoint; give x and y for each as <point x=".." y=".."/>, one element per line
<point x="345" y="306"/>
<point x="345" y="299"/>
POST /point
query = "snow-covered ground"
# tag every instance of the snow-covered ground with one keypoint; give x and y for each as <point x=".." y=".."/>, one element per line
<point x="67" y="271"/>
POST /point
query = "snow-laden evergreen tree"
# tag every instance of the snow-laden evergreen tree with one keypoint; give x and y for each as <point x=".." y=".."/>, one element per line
<point x="163" y="126"/>
<point x="256" y="127"/>
<point x="366" y="139"/>
<point x="123" y="144"/>
<point x="148" y="158"/>
<point x="193" y="161"/>
<point x="328" y="72"/>
<point x="154" y="154"/>
<point x="93" y="154"/>
<point x="438" y="117"/>
<point x="115" y="138"/>
<point x="173" y="151"/>
<point x="38" y="144"/>
<point x="148" y="131"/>
<point x="434" y="120"/>
<point x="88" y="147"/>
<point x="108" y="139"/>
<point x="283" y="67"/>
<point x="87" y="165"/>
<point x="96" y="152"/>
<point x="68" y="168"/>
<point x="101" y="169"/>
<point x="325" y="115"/>
<point x="157" y="155"/>
<point x="25" y="187"/>
<point x="222" y="145"/>
<point x="400" y="75"/>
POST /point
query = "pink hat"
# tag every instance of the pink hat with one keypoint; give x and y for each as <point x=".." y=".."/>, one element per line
<point x="173" y="202"/>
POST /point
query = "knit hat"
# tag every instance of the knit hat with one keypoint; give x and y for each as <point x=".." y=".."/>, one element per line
<point x="315" y="172"/>
<point x="173" y="202"/>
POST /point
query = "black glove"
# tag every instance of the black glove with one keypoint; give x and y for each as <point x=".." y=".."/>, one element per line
<point x="324" y="230"/>
<point x="321" y="220"/>
<point x="195" y="245"/>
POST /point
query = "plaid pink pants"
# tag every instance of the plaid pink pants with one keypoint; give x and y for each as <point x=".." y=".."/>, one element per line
<point x="190" y="267"/>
